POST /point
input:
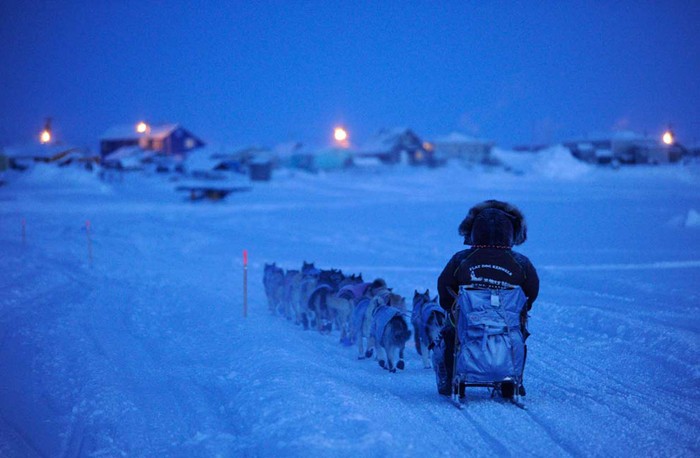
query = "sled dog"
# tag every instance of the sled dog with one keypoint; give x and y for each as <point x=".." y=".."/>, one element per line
<point x="364" y="322"/>
<point x="273" y="281"/>
<point x="427" y="319"/>
<point x="390" y="332"/>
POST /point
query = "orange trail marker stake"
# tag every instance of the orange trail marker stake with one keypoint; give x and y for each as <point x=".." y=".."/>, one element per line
<point x="24" y="231"/>
<point x="89" y="241"/>
<point x="245" y="283"/>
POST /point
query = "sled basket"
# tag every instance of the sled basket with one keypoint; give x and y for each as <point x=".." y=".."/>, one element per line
<point x="491" y="348"/>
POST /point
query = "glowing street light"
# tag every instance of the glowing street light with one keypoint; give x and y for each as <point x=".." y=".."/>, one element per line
<point x="45" y="136"/>
<point x="341" y="136"/>
<point x="141" y="127"/>
<point x="668" y="138"/>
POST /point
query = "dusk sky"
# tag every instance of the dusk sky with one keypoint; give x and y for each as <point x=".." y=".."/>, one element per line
<point x="266" y="72"/>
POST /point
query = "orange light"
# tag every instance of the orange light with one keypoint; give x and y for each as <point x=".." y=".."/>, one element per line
<point x="668" y="137"/>
<point x="141" y="127"/>
<point x="340" y="134"/>
<point x="45" y="136"/>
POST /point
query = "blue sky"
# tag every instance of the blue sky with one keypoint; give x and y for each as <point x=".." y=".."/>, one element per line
<point x="265" y="72"/>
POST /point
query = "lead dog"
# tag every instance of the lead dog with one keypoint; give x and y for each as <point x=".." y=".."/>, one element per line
<point x="273" y="281"/>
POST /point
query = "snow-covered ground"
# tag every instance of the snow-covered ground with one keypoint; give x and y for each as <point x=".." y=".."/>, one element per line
<point x="145" y="351"/>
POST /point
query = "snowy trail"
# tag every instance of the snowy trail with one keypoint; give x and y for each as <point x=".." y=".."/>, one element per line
<point x="145" y="351"/>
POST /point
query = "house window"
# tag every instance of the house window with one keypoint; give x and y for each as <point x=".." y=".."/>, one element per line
<point x="189" y="143"/>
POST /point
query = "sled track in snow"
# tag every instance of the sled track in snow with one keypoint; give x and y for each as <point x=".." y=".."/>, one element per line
<point x="496" y="445"/>
<point x="22" y="436"/>
<point x="566" y="445"/>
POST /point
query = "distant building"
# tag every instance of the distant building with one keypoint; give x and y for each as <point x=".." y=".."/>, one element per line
<point x="296" y="155"/>
<point x="292" y="154"/>
<point x="22" y="157"/>
<point x="624" y="147"/>
<point x="530" y="148"/>
<point x="167" y="139"/>
<point x="332" y="158"/>
<point x="205" y="163"/>
<point x="463" y="147"/>
<point x="4" y="162"/>
<point x="126" y="158"/>
<point x="392" y="146"/>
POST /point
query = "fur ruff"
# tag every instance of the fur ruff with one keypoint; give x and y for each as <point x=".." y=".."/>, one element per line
<point x="512" y="213"/>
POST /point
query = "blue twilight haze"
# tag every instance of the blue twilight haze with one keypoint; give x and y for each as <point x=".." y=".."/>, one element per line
<point x="265" y="72"/>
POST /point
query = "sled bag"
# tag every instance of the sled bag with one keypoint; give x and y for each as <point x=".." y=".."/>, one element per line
<point x="488" y="327"/>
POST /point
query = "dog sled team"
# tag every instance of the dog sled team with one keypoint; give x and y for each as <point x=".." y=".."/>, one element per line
<point x="473" y="333"/>
<point x="367" y="314"/>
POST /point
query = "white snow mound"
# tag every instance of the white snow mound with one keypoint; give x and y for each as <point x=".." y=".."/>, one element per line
<point x="557" y="162"/>
<point x="554" y="163"/>
<point x="692" y="219"/>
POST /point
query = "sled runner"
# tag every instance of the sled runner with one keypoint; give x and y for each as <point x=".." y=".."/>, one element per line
<point x="489" y="344"/>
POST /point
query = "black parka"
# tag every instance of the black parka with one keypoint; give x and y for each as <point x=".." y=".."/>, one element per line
<point x="491" y="228"/>
<point x="487" y="267"/>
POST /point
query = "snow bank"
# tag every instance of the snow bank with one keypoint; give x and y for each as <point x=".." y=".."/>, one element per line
<point x="554" y="163"/>
<point x="53" y="176"/>
<point x="690" y="220"/>
<point x="557" y="162"/>
<point x="693" y="219"/>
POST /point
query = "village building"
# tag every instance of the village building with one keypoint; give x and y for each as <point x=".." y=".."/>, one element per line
<point x="127" y="158"/>
<point x="283" y="153"/>
<point x="393" y="146"/>
<point x="255" y="161"/>
<point x="694" y="150"/>
<point x="205" y="164"/>
<point x="532" y="148"/>
<point x="4" y="162"/>
<point x="166" y="139"/>
<point x="624" y="147"/>
<point x="296" y="155"/>
<point x="332" y="158"/>
<point x="463" y="148"/>
<point x="24" y="156"/>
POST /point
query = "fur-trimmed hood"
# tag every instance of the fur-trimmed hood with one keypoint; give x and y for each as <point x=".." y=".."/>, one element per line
<point x="493" y="222"/>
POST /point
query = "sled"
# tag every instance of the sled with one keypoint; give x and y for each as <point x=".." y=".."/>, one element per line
<point x="489" y="345"/>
